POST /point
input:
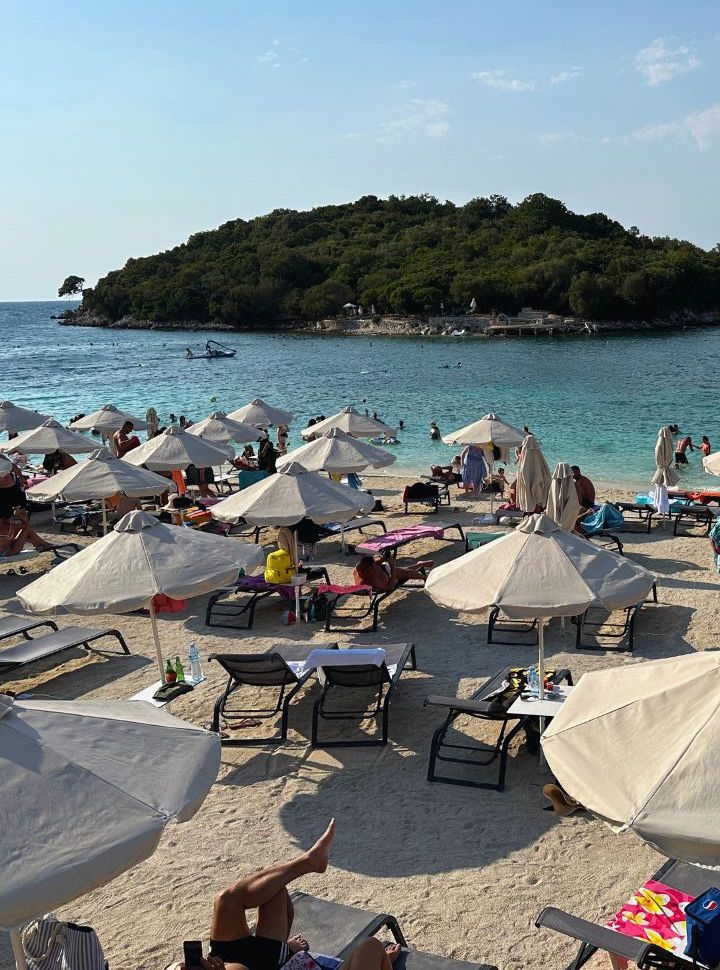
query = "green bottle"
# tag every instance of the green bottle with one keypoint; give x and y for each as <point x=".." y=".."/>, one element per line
<point x="170" y="675"/>
<point x="179" y="671"/>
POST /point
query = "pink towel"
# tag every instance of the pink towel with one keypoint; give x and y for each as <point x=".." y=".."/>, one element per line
<point x="400" y="537"/>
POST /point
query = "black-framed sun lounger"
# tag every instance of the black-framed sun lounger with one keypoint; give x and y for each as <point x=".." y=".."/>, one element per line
<point x="645" y="513"/>
<point x="381" y="679"/>
<point x="621" y="630"/>
<point x="11" y="626"/>
<point x="607" y="540"/>
<point x="695" y="515"/>
<point x="60" y="552"/>
<point x="340" y="605"/>
<point x="358" y="524"/>
<point x="443" y="488"/>
<point x="397" y="538"/>
<point x="224" y="612"/>
<point x="489" y="703"/>
<point x="281" y="669"/>
<point x="514" y="633"/>
<point x="38" y="648"/>
<point x="474" y="540"/>
<point x="592" y="937"/>
<point x="334" y="930"/>
<point x="242" y="530"/>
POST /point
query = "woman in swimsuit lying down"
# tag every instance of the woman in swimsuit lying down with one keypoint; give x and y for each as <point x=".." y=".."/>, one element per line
<point x="384" y="574"/>
<point x="234" y="947"/>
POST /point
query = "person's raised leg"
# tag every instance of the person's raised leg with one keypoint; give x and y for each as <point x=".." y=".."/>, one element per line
<point x="371" y="954"/>
<point x="260" y="890"/>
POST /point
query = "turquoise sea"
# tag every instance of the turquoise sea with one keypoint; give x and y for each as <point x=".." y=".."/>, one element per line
<point x="593" y="401"/>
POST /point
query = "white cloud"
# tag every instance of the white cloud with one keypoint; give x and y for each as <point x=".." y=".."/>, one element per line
<point x="278" y="54"/>
<point x="702" y="126"/>
<point x="501" y="81"/>
<point x="437" y="129"/>
<point x="431" y="107"/>
<point x="569" y="74"/>
<point x="660" y="62"/>
<point x="271" y="58"/>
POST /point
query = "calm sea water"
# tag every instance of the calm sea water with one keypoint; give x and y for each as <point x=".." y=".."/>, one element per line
<point x="592" y="401"/>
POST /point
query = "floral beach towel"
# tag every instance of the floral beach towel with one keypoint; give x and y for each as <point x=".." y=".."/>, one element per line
<point x="654" y="914"/>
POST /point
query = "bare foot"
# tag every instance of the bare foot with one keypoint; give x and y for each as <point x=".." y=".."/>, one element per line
<point x="319" y="855"/>
<point x="296" y="944"/>
<point x="393" y="951"/>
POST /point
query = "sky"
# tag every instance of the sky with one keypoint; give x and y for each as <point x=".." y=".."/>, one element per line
<point x="128" y="126"/>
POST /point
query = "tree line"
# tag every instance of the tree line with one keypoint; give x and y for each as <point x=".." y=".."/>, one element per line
<point x="412" y="254"/>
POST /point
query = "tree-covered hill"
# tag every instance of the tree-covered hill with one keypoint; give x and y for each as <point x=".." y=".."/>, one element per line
<point x="410" y="254"/>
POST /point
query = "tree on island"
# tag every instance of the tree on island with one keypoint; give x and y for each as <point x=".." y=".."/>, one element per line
<point x="71" y="286"/>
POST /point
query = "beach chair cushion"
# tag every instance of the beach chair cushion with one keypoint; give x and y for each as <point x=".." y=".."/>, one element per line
<point x="400" y="537"/>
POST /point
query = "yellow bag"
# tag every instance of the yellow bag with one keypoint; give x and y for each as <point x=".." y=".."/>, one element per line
<point x="279" y="567"/>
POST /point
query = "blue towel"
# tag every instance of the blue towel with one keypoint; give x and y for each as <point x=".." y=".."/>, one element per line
<point x="606" y="517"/>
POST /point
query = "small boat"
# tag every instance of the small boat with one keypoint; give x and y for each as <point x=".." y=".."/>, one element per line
<point x="213" y="351"/>
<point x="459" y="333"/>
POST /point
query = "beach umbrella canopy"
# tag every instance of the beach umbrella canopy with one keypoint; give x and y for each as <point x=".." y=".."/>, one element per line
<point x="490" y="431"/>
<point x="15" y="418"/>
<point x="664" y="460"/>
<point x="221" y="429"/>
<point x="291" y="495"/>
<point x="638" y="746"/>
<point x="47" y="437"/>
<point x="711" y="463"/>
<point x="88" y="788"/>
<point x="338" y="452"/>
<point x="563" y="504"/>
<point x="175" y="449"/>
<point x="260" y="414"/>
<point x="533" y="476"/>
<point x="538" y="571"/>
<point x="108" y="418"/>
<point x="100" y="477"/>
<point x="351" y="422"/>
<point x="137" y="559"/>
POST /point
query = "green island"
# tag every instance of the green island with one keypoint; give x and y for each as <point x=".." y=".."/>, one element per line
<point x="411" y="255"/>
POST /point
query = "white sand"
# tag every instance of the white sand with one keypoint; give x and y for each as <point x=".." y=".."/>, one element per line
<point x="465" y="871"/>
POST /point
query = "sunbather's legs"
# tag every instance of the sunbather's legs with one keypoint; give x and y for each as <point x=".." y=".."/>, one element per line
<point x="371" y="954"/>
<point x="403" y="573"/>
<point x="266" y="891"/>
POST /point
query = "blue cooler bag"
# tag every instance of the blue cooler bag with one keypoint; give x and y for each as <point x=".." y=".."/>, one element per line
<point x="703" y="928"/>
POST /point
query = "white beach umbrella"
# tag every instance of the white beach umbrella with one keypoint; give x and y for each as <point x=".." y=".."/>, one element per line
<point x="107" y="419"/>
<point x="138" y="559"/>
<point x="99" y="478"/>
<point x="88" y="788"/>
<point x="338" y="452"/>
<point x="291" y="495"/>
<point x="563" y="504"/>
<point x="260" y="414"/>
<point x="711" y="463"/>
<point x="638" y="746"/>
<point x="533" y="476"/>
<point x="49" y="436"/>
<point x="664" y="460"/>
<point x="351" y="422"/>
<point x="15" y="418"/>
<point x="219" y="428"/>
<point x="488" y="433"/>
<point x="175" y="449"/>
<point x="538" y="571"/>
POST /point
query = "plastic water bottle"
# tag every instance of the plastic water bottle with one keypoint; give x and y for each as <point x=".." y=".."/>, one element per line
<point x="194" y="661"/>
<point x="533" y="681"/>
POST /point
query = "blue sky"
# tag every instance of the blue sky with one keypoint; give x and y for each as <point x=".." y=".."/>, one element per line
<point x="128" y="126"/>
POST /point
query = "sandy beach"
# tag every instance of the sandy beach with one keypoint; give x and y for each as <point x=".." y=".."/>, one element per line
<point x="464" y="871"/>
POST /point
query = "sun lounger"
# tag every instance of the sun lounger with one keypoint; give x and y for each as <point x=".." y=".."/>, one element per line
<point x="514" y="633"/>
<point x="243" y="530"/>
<point x="692" y="880"/>
<point x="392" y="541"/>
<point x="281" y="670"/>
<point x="443" y="487"/>
<point x="11" y="626"/>
<point x="490" y="703"/>
<point x="423" y="493"/>
<point x="225" y="612"/>
<point x="77" y="515"/>
<point x="696" y="515"/>
<point x="622" y="629"/>
<point x="334" y="930"/>
<point x="608" y="541"/>
<point x="381" y="679"/>
<point x="38" y="648"/>
<point x="644" y="513"/>
<point x="473" y="540"/>
<point x="367" y="604"/>
<point x="358" y="524"/>
<point x="60" y="552"/>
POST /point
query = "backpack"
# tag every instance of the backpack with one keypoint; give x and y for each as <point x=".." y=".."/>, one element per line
<point x="279" y="567"/>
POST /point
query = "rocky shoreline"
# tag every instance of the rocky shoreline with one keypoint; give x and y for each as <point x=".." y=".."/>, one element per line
<point x="390" y="326"/>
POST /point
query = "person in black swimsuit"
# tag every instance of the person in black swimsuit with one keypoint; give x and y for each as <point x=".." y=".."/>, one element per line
<point x="13" y="504"/>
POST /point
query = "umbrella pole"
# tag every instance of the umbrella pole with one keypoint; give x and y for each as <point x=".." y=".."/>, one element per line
<point x="492" y="494"/>
<point x="18" y="949"/>
<point x="541" y="675"/>
<point x="156" y="638"/>
<point x="342" y="537"/>
<point x="297" y="587"/>
<point x="104" y="518"/>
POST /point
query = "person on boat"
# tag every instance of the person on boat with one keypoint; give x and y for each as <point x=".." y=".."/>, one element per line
<point x="705" y="447"/>
<point x="122" y="441"/>
<point x="434" y="431"/>
<point x="682" y="446"/>
<point x="383" y="574"/>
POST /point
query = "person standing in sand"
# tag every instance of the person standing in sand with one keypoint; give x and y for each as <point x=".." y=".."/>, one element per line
<point x="234" y="947"/>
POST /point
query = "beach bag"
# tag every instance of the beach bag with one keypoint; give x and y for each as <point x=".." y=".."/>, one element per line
<point x="165" y="604"/>
<point x="703" y="928"/>
<point x="50" y="944"/>
<point x="279" y="567"/>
